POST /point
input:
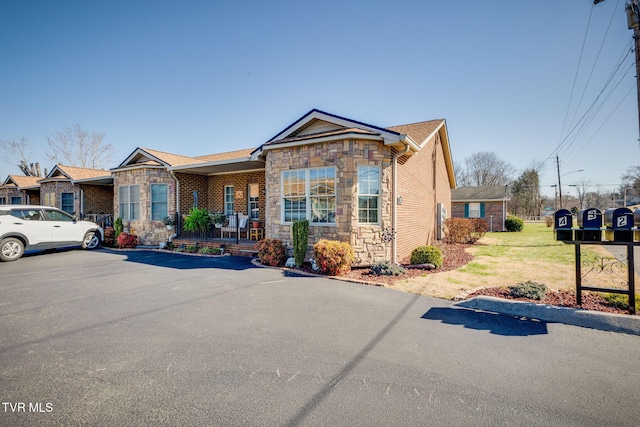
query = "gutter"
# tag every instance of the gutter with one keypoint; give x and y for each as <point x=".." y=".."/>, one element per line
<point x="394" y="200"/>
<point x="177" y="190"/>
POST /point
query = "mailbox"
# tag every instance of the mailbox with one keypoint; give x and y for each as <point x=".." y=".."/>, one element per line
<point x="618" y="223"/>
<point x="636" y="220"/>
<point x="589" y="225"/>
<point x="563" y="221"/>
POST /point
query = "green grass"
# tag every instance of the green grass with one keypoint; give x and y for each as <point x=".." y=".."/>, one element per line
<point x="535" y="242"/>
<point x="477" y="269"/>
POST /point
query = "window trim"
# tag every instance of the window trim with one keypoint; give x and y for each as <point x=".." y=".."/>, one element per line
<point x="379" y="195"/>
<point x="233" y="202"/>
<point x="307" y="195"/>
<point x="129" y="203"/>
<point x="73" y="203"/>
<point x="251" y="203"/>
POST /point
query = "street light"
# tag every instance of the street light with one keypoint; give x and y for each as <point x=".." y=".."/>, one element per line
<point x="560" y="185"/>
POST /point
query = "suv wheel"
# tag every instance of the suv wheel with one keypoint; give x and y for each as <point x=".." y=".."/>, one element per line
<point x="11" y="249"/>
<point x="91" y="240"/>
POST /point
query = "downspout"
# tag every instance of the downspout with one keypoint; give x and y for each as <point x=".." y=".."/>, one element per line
<point x="394" y="200"/>
<point x="175" y="233"/>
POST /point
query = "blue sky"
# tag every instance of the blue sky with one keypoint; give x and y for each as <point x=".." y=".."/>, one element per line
<point x="199" y="77"/>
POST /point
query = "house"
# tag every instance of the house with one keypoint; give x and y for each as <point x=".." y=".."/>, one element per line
<point x="79" y="191"/>
<point x="488" y="203"/>
<point x="376" y="188"/>
<point x="20" y="190"/>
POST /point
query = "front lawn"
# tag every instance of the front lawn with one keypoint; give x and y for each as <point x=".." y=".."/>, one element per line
<point x="504" y="259"/>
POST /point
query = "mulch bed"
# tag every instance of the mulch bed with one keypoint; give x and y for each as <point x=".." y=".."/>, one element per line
<point x="454" y="257"/>
<point x="590" y="301"/>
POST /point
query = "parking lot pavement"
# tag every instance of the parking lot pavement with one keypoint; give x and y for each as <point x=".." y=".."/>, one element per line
<point x="148" y="338"/>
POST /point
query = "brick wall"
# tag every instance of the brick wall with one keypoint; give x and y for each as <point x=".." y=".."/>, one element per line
<point x="240" y="182"/>
<point x="422" y="183"/>
<point x="31" y="197"/>
<point x="490" y="208"/>
<point x="97" y="198"/>
<point x="188" y="184"/>
<point x="346" y="156"/>
<point x="148" y="232"/>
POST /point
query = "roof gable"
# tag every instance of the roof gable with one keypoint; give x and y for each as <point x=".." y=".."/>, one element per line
<point x="22" y="181"/>
<point x="149" y="157"/>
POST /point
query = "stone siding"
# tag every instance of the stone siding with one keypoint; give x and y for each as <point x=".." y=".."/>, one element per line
<point x="346" y="156"/>
<point x="59" y="187"/>
<point x="148" y="232"/>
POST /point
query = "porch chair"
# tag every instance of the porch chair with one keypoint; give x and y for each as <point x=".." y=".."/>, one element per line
<point x="231" y="228"/>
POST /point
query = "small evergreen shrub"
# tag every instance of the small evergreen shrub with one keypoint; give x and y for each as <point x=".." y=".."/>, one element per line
<point x="118" y="227"/>
<point x="210" y="251"/>
<point x="528" y="289"/>
<point x="300" y="231"/>
<point x="513" y="223"/>
<point x="387" y="268"/>
<point x="271" y="252"/>
<point x="427" y="255"/>
<point x="621" y="301"/>
<point x="127" y="241"/>
<point x="332" y="257"/>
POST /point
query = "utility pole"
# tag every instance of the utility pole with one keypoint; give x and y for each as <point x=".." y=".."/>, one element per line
<point x="632" y="9"/>
<point x="560" y="185"/>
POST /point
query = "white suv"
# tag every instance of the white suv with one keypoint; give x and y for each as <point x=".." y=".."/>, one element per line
<point x="28" y="227"/>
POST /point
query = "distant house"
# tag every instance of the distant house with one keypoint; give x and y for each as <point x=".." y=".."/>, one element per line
<point x="20" y="190"/>
<point x="373" y="187"/>
<point x="78" y="191"/>
<point x="488" y="203"/>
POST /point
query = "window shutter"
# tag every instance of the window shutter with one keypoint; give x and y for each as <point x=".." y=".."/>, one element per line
<point x="481" y="210"/>
<point x="466" y="210"/>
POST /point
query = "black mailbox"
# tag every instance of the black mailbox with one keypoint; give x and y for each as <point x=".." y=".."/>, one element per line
<point x="618" y="223"/>
<point x="563" y="221"/>
<point x="589" y="225"/>
<point x="636" y="220"/>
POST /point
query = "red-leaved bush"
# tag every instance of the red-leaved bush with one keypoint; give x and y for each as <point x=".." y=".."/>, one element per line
<point x="332" y="257"/>
<point x="109" y="237"/>
<point x="271" y="252"/>
<point x="126" y="240"/>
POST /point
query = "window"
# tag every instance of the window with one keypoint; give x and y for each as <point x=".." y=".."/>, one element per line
<point x="129" y="200"/>
<point x="50" y="199"/>
<point x="309" y="194"/>
<point x="66" y="202"/>
<point x="228" y="200"/>
<point x="474" y="210"/>
<point x="368" y="194"/>
<point x="3" y="200"/>
<point x="159" y="201"/>
<point x="16" y="200"/>
<point x="254" y="208"/>
<point x="58" y="216"/>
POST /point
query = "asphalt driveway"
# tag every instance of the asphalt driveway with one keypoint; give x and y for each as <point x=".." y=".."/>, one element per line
<point x="147" y="338"/>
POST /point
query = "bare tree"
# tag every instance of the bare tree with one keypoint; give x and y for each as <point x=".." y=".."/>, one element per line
<point x="582" y="187"/>
<point x="19" y="150"/>
<point x="485" y="169"/>
<point x="76" y="146"/>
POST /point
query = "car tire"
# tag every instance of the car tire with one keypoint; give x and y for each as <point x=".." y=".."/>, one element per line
<point x="91" y="240"/>
<point x="11" y="249"/>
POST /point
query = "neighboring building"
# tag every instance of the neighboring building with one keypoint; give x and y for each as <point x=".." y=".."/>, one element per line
<point x="488" y="203"/>
<point x="20" y="190"/>
<point x="78" y="191"/>
<point x="375" y="188"/>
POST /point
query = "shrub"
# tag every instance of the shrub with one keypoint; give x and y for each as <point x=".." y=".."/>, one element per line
<point x="332" y="257"/>
<point x="192" y="248"/>
<point x="271" y="252"/>
<point x="465" y="230"/>
<point x="197" y="221"/>
<point x="549" y="221"/>
<point x="126" y="240"/>
<point x="118" y="227"/>
<point x="300" y="231"/>
<point x="210" y="251"/>
<point x="513" y="223"/>
<point x="528" y="289"/>
<point x="427" y="255"/>
<point x="109" y="237"/>
<point x="387" y="268"/>
<point x="621" y="301"/>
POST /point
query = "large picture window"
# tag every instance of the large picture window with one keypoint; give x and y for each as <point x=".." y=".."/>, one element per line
<point x="368" y="194"/>
<point x="309" y="194"/>
<point x="129" y="201"/>
<point x="159" y="201"/>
